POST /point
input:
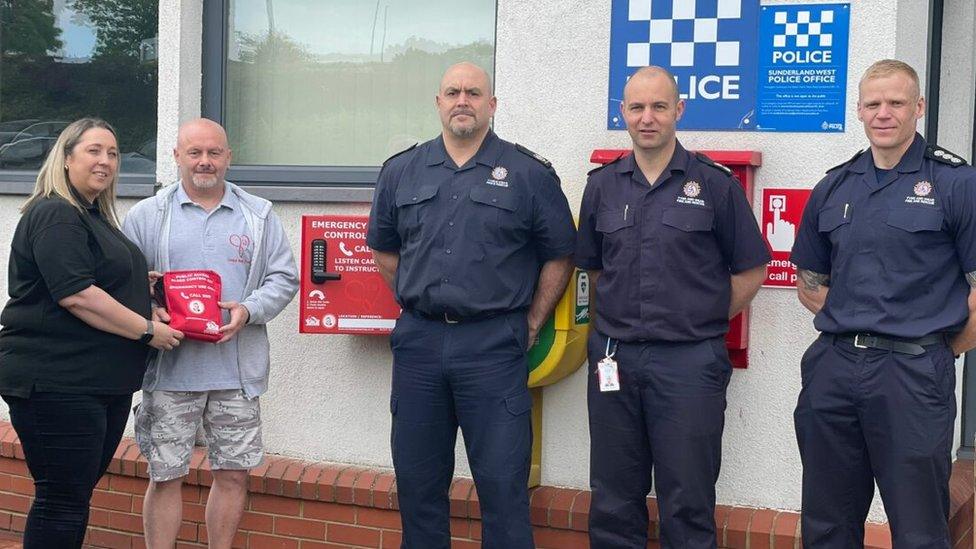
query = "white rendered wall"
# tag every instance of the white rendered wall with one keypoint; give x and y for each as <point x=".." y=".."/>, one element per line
<point x="178" y="99"/>
<point x="329" y="394"/>
<point x="554" y="100"/>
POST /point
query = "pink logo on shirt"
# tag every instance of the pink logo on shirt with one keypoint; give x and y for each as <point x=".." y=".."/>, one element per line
<point x="242" y="243"/>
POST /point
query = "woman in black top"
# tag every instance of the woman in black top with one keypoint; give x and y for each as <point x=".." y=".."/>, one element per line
<point x="75" y="331"/>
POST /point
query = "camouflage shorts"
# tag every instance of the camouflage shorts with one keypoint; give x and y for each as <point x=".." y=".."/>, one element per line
<point x="166" y="424"/>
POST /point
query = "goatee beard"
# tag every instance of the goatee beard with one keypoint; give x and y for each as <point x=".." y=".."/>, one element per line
<point x="205" y="183"/>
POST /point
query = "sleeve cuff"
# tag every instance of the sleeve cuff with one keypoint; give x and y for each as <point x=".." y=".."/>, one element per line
<point x="58" y="294"/>
<point x="802" y="263"/>
<point x="750" y="263"/>
<point x="383" y="245"/>
<point x="589" y="265"/>
<point x="254" y="312"/>
<point x="556" y="253"/>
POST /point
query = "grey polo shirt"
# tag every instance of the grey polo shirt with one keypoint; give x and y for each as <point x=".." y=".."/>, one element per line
<point x="220" y="241"/>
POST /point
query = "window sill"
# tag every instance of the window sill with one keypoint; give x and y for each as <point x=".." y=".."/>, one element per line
<point x="317" y="194"/>
<point x="24" y="188"/>
<point x="17" y="186"/>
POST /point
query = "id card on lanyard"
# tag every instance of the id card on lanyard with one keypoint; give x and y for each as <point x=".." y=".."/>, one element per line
<point x="606" y="369"/>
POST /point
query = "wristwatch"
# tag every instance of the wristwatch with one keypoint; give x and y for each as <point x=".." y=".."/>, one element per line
<point x="148" y="334"/>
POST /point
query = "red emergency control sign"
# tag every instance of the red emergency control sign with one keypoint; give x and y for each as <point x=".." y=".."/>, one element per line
<point x="782" y="210"/>
<point x="342" y="291"/>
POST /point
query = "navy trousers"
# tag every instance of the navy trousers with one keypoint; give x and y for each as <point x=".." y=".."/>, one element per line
<point x="68" y="440"/>
<point x="472" y="375"/>
<point x="867" y="415"/>
<point x="667" y="416"/>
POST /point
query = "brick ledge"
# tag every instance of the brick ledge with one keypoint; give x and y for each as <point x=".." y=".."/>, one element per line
<point x="550" y="507"/>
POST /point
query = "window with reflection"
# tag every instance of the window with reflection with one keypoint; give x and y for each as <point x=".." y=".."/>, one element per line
<point x="343" y="82"/>
<point x="61" y="60"/>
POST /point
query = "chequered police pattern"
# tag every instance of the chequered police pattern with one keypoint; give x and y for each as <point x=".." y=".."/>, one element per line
<point x="803" y="29"/>
<point x="683" y="52"/>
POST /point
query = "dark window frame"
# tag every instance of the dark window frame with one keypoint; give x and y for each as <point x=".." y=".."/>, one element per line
<point x="214" y="69"/>
<point x="284" y="182"/>
<point x="967" y="427"/>
<point x="967" y="444"/>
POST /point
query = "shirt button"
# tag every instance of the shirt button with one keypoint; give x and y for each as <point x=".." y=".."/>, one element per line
<point x="454" y="197"/>
<point x="445" y="280"/>
<point x="448" y="251"/>
<point x="450" y="223"/>
<point x="415" y="199"/>
<point x="493" y="200"/>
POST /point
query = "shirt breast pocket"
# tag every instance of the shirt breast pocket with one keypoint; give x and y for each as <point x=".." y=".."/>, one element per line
<point x="619" y="239"/>
<point x="496" y="212"/>
<point x="411" y="202"/>
<point x="687" y="238"/>
<point x="914" y="236"/>
<point x="833" y="222"/>
<point x="689" y="220"/>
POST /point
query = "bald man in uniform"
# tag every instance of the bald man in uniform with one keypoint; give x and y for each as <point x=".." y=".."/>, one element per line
<point x="475" y="237"/>
<point x="673" y="251"/>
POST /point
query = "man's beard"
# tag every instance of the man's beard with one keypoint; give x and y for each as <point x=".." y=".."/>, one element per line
<point x="205" y="181"/>
<point x="464" y="131"/>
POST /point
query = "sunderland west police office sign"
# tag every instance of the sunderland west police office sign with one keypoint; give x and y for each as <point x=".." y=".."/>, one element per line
<point x="781" y="69"/>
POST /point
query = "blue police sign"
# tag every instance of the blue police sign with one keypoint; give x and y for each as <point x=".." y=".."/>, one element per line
<point x="710" y="47"/>
<point x="803" y="67"/>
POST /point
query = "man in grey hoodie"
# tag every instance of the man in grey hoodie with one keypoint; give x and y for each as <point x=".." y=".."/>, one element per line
<point x="205" y="222"/>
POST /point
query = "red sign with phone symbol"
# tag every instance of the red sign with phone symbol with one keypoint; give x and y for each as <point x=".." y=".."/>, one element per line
<point x="342" y="291"/>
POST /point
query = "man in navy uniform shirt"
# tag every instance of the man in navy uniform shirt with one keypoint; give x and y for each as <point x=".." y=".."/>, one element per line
<point x="886" y="253"/>
<point x="475" y="237"/>
<point x="674" y="251"/>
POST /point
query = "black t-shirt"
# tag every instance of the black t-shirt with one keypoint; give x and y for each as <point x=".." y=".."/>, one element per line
<point x="58" y="251"/>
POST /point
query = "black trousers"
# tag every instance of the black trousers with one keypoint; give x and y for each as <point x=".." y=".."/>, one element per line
<point x="470" y="375"/>
<point x="68" y="440"/>
<point x="668" y="416"/>
<point x="866" y="416"/>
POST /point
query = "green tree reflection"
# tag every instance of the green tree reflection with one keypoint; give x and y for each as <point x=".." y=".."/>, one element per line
<point x="117" y="81"/>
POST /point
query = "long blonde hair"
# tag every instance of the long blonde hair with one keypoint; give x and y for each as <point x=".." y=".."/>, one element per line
<point x="53" y="177"/>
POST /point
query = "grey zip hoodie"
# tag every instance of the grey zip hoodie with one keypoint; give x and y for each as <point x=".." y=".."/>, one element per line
<point x="272" y="280"/>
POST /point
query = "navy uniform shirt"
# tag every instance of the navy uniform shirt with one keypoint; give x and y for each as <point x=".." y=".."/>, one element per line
<point x="473" y="239"/>
<point x="896" y="250"/>
<point x="666" y="251"/>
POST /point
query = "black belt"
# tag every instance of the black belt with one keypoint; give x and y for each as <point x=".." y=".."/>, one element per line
<point x="451" y="318"/>
<point x="898" y="345"/>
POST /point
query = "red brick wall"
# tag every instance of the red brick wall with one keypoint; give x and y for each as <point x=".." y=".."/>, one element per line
<point x="301" y="505"/>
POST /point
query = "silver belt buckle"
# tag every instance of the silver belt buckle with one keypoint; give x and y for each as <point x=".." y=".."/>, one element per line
<point x="448" y="320"/>
<point x="856" y="342"/>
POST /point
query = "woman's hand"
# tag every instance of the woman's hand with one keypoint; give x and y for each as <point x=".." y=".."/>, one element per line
<point x="160" y="314"/>
<point x="164" y="337"/>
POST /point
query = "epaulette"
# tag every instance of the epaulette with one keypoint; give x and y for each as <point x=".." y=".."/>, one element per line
<point x="539" y="158"/>
<point x="939" y="154"/>
<point x="408" y="149"/>
<point x="706" y="160"/>
<point x="848" y="161"/>
<point x="623" y="154"/>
